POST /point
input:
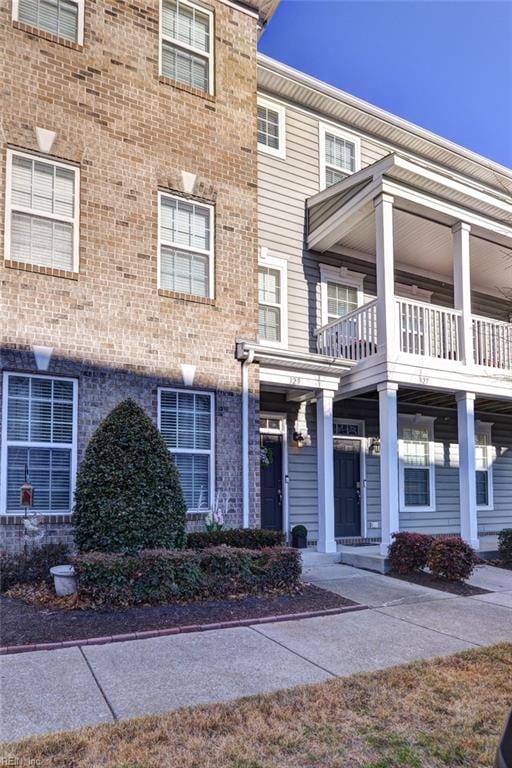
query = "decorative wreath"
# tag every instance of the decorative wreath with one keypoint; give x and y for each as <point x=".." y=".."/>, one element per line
<point x="266" y="456"/>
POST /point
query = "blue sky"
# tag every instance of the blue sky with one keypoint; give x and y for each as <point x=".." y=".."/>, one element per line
<point x="443" y="64"/>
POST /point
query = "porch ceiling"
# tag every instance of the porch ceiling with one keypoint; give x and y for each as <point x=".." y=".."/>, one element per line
<point x="447" y="400"/>
<point x="425" y="247"/>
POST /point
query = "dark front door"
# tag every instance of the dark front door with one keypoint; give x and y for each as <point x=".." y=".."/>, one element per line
<point x="347" y="496"/>
<point x="271" y="475"/>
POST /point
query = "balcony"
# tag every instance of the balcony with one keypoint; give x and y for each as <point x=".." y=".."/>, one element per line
<point x="424" y="330"/>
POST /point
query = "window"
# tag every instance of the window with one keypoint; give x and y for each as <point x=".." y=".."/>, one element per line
<point x="417" y="487"/>
<point x="271" y="128"/>
<point x="38" y="442"/>
<point x="339" y="155"/>
<point x="64" y="18"/>
<point x="187" y="44"/>
<point x="272" y="301"/>
<point x="41" y="212"/>
<point x="186" y="246"/>
<point x="483" y="462"/>
<point x="186" y="420"/>
<point x="341" y="291"/>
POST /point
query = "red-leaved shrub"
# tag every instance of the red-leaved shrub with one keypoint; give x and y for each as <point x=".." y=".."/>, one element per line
<point x="408" y="552"/>
<point x="451" y="558"/>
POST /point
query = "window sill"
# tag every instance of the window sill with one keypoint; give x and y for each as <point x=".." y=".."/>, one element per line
<point x="186" y="297"/>
<point x="187" y="88"/>
<point x="17" y="518"/>
<point x="196" y="517"/>
<point x="50" y="271"/>
<point x="36" y="32"/>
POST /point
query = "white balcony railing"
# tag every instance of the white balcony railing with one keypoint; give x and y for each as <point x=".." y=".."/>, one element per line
<point x="428" y="330"/>
<point x="353" y="336"/>
<point x="492" y="343"/>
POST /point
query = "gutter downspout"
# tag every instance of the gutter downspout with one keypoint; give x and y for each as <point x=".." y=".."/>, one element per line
<point x="245" y="437"/>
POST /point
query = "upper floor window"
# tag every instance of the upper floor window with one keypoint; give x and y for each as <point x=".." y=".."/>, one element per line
<point x="63" y="18"/>
<point x="186" y="420"/>
<point x="341" y="292"/>
<point x="272" y="301"/>
<point x="483" y="462"/>
<point x="41" y="212"/>
<point x="416" y="446"/>
<point x="339" y="155"/>
<point x="186" y="246"/>
<point x="187" y="44"/>
<point x="271" y="127"/>
<point x="38" y="442"/>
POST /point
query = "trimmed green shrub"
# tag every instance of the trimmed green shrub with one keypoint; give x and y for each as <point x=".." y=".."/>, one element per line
<point x="128" y="493"/>
<point x="160" y="576"/>
<point x="247" y="538"/>
<point x="505" y="545"/>
<point x="408" y="552"/>
<point x="21" y="567"/>
<point x="451" y="558"/>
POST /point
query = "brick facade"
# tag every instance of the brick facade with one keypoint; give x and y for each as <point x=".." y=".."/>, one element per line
<point x="132" y="133"/>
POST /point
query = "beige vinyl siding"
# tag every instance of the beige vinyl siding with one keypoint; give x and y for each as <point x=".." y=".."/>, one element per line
<point x="283" y="186"/>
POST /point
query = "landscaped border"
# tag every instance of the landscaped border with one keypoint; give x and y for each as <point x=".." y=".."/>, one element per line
<point x="145" y="635"/>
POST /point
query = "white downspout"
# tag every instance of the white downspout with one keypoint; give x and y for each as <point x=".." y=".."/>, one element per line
<point x="245" y="438"/>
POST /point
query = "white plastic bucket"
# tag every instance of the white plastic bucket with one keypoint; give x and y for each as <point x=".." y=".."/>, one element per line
<point x="64" y="579"/>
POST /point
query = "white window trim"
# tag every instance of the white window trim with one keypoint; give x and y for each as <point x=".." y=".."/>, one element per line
<point x="208" y="252"/>
<point x="80" y="19"/>
<point x="280" y="152"/>
<point x="275" y="262"/>
<point x="27" y="443"/>
<point x="73" y="220"/>
<point x="341" y="276"/>
<point x="208" y="55"/>
<point x="203" y="451"/>
<point x="485" y="428"/>
<point x="413" y="292"/>
<point x="420" y="421"/>
<point x="324" y="128"/>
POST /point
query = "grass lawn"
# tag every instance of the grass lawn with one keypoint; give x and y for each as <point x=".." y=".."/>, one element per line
<point x="447" y="712"/>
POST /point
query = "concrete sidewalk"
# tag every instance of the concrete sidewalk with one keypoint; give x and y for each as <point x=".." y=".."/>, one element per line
<point x="58" y="690"/>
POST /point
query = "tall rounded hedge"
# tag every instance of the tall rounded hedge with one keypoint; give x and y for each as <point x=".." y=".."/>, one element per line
<point x="128" y="493"/>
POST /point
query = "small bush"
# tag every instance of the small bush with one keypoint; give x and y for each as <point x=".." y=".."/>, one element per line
<point x="247" y="538"/>
<point x="128" y="493"/>
<point x="21" y="568"/>
<point x="408" y="552"/>
<point x="505" y="545"/>
<point x="451" y="558"/>
<point x="162" y="576"/>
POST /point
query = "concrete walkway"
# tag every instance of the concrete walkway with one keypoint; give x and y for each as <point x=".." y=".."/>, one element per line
<point x="49" y="691"/>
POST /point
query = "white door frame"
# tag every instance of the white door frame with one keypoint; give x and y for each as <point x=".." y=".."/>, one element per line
<point x="283" y="431"/>
<point x="361" y="438"/>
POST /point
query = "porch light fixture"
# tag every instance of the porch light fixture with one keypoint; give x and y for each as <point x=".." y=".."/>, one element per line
<point x="374" y="446"/>
<point x="299" y="439"/>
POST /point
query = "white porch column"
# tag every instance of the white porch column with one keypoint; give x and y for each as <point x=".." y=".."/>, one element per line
<point x="386" y="310"/>
<point x="467" y="468"/>
<point x="325" y="465"/>
<point x="389" y="496"/>
<point x="462" y="287"/>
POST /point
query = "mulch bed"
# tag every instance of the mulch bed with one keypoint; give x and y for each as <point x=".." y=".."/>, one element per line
<point x="23" y="624"/>
<point x="425" y="579"/>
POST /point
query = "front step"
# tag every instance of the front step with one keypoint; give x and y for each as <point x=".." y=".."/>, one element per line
<point x="370" y="561"/>
<point x="310" y="557"/>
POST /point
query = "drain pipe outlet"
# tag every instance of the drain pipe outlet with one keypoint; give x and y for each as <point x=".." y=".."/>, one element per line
<point x="245" y="438"/>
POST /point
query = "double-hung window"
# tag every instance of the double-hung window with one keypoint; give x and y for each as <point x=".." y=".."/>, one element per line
<point x="341" y="291"/>
<point x="339" y="155"/>
<point x="38" y="442"/>
<point x="271" y="128"/>
<point x="272" y="301"/>
<point x="187" y="44"/>
<point x="63" y="18"/>
<point x="416" y="454"/>
<point x="483" y="463"/>
<point x="186" y="421"/>
<point x="186" y="246"/>
<point x="41" y="212"/>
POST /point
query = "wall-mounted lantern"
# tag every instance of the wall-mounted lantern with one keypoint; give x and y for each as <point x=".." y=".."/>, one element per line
<point x="374" y="446"/>
<point x="299" y="439"/>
